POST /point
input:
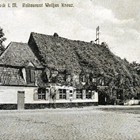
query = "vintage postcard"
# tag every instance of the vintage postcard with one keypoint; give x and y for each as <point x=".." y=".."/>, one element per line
<point x="69" y="70"/>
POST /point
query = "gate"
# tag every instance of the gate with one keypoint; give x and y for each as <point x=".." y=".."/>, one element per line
<point x="20" y="100"/>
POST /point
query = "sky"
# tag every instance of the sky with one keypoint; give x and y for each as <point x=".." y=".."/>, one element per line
<point x="118" y="20"/>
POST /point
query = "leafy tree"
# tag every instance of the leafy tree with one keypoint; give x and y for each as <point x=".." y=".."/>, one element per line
<point x="2" y="39"/>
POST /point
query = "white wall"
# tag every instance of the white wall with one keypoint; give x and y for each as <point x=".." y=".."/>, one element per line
<point x="8" y="94"/>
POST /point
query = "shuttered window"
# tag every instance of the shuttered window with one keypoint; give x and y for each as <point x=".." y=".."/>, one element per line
<point x="30" y="76"/>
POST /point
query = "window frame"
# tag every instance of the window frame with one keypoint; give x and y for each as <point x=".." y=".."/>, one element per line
<point x="62" y="94"/>
<point x="79" y="94"/>
<point x="41" y="94"/>
<point x="89" y="94"/>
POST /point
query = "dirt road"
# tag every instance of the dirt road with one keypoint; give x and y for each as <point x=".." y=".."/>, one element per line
<point x="69" y="124"/>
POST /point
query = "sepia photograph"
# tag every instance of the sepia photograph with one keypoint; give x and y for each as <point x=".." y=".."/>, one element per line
<point x="69" y="70"/>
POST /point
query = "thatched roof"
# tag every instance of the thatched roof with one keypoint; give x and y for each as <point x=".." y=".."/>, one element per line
<point x="10" y="76"/>
<point x="71" y="55"/>
<point x="19" y="54"/>
<point x="56" y="53"/>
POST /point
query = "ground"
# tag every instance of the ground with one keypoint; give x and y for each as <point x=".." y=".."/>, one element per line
<point x="88" y="123"/>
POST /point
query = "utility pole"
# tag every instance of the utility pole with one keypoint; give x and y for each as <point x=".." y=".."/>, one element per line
<point x="97" y="40"/>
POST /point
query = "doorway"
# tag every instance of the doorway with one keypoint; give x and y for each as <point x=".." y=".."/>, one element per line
<point x="20" y="100"/>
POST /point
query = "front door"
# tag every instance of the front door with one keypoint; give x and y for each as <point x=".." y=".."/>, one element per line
<point x="20" y="100"/>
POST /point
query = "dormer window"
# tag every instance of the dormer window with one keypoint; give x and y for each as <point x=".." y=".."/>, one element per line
<point x="28" y="73"/>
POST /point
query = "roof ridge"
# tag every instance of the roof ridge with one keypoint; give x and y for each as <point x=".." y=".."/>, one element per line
<point x="82" y="41"/>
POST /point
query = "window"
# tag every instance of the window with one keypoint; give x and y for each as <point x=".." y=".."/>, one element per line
<point x="32" y="72"/>
<point x="62" y="93"/>
<point x="88" y="94"/>
<point x="78" y="93"/>
<point x="30" y="75"/>
<point x="42" y="93"/>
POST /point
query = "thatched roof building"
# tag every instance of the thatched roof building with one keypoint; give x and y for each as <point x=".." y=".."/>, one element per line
<point x="78" y="57"/>
<point x="57" y="56"/>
